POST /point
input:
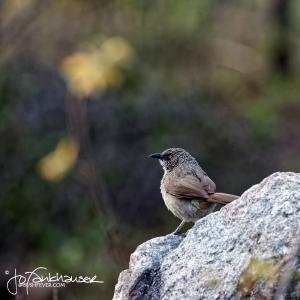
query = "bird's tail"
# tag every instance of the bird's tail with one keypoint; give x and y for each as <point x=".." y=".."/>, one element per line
<point x="222" y="198"/>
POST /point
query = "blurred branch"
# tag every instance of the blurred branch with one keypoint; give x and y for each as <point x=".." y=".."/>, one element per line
<point x="282" y="55"/>
<point x="92" y="178"/>
<point x="13" y="31"/>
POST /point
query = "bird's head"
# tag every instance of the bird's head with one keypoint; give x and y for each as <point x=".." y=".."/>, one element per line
<point x="172" y="157"/>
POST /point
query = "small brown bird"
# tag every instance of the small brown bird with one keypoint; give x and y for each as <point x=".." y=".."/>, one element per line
<point x="186" y="189"/>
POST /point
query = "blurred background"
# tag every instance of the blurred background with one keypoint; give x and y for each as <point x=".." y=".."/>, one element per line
<point x="88" y="88"/>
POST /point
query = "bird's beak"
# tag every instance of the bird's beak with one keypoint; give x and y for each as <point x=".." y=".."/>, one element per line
<point x="156" y="155"/>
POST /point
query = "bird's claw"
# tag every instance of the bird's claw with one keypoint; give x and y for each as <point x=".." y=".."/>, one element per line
<point x="179" y="233"/>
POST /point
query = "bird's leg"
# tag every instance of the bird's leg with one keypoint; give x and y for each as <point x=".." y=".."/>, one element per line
<point x="178" y="229"/>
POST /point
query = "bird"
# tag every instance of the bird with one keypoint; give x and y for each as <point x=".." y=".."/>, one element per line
<point x="186" y="189"/>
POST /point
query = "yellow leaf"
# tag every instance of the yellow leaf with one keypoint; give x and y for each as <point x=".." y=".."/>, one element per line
<point x="54" y="166"/>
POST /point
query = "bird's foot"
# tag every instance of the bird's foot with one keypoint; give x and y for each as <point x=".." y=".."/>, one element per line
<point x="178" y="229"/>
<point x="182" y="234"/>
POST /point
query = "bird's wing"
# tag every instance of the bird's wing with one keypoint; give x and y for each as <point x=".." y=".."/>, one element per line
<point x="208" y="184"/>
<point x="190" y="187"/>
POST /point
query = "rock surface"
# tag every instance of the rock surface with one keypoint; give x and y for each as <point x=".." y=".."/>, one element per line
<point x="247" y="249"/>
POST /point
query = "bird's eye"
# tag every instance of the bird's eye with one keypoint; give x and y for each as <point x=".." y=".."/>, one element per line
<point x="169" y="156"/>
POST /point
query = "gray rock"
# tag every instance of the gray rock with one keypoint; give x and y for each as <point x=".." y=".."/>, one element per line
<point x="246" y="249"/>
